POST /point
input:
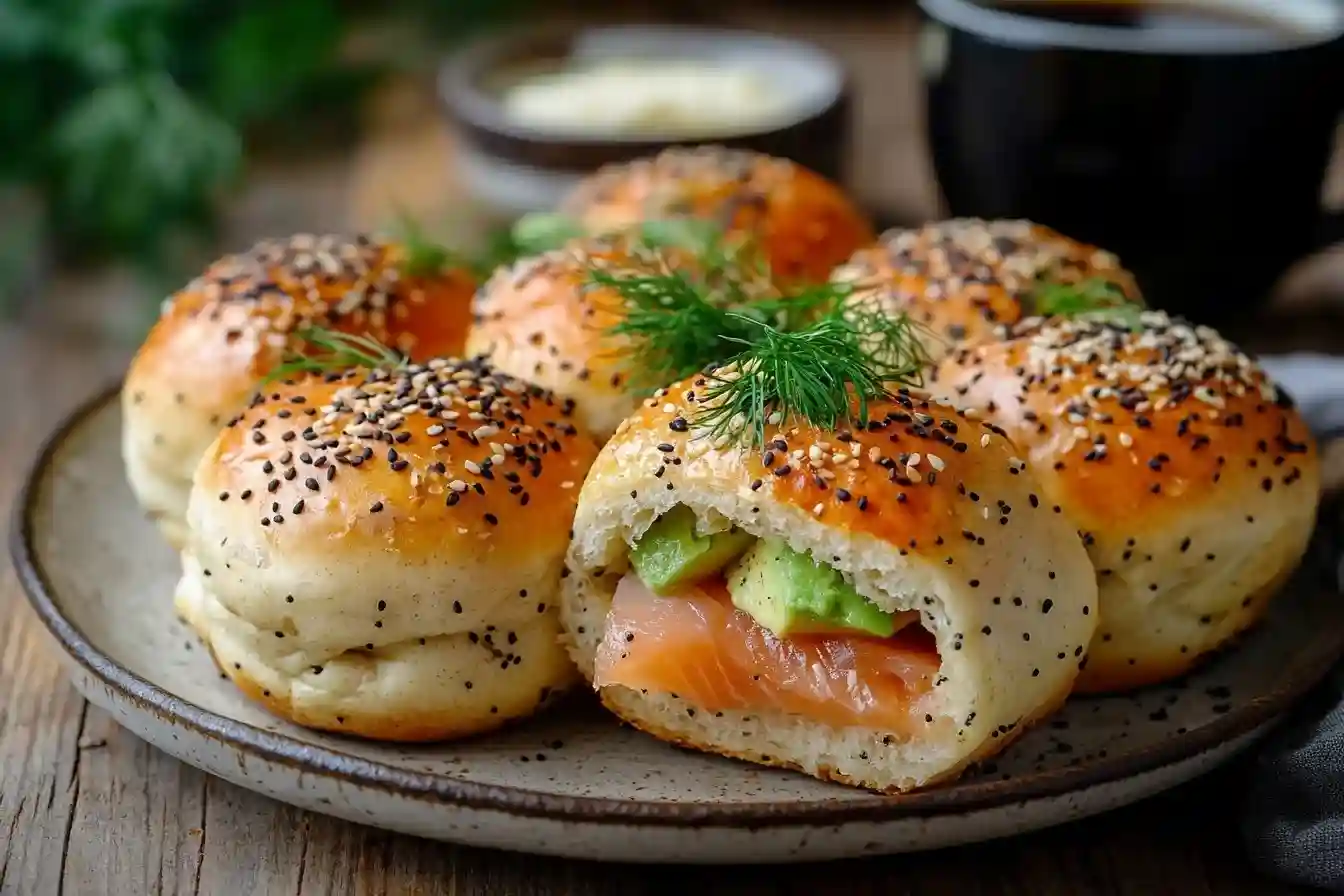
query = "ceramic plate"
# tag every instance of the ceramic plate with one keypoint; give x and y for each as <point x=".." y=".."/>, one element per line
<point x="574" y="782"/>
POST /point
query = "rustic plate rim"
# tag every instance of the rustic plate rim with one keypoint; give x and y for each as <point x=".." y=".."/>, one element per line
<point x="283" y="749"/>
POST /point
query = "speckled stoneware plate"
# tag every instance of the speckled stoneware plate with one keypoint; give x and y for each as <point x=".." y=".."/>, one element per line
<point x="573" y="782"/>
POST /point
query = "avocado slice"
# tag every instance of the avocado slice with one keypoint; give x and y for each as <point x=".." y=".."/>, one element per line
<point x="790" y="593"/>
<point x="671" y="554"/>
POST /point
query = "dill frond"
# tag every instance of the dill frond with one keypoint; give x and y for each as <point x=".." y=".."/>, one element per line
<point x="319" y="350"/>
<point x="1093" y="297"/>
<point x="826" y="374"/>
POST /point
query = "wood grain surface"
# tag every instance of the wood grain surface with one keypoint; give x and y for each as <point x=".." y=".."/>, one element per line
<point x="87" y="808"/>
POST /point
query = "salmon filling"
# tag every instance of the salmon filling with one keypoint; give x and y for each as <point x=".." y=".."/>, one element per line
<point x="697" y="646"/>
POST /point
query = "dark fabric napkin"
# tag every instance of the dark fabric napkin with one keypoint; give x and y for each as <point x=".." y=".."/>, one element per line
<point x="1293" y="822"/>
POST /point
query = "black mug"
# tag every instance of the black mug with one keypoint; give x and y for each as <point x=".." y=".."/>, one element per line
<point x="1193" y="146"/>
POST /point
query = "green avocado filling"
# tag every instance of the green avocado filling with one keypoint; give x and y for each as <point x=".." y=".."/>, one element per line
<point x="790" y="593"/>
<point x="785" y="591"/>
<point x="671" y="554"/>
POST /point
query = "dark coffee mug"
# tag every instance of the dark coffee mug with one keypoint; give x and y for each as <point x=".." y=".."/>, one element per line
<point x="1193" y="145"/>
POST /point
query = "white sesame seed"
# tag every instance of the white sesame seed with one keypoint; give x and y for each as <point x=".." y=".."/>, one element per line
<point x="984" y="440"/>
<point x="1126" y="439"/>
<point x="936" y="462"/>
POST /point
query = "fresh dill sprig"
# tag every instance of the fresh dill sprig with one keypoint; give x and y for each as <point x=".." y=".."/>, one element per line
<point x="675" y="325"/>
<point x="423" y="257"/>
<point x="319" y="350"/>
<point x="531" y="234"/>
<point x="1093" y="297"/>
<point x="826" y="373"/>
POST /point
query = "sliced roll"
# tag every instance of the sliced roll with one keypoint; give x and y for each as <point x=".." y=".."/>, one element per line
<point x="965" y="280"/>
<point x="879" y="606"/>
<point x="227" y="329"/>
<point x="1190" y="476"/>
<point x="379" y="553"/>
<point x="804" y="224"/>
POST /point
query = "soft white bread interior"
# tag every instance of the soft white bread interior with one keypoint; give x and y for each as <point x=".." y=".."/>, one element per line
<point x="924" y="510"/>
<point x="225" y="330"/>
<point x="1191" y="477"/>
<point x="380" y="554"/>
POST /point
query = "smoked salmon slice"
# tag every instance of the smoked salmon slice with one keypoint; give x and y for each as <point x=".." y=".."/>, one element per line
<point x="700" y="647"/>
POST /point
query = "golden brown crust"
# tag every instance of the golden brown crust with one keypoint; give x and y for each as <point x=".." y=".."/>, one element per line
<point x="1191" y="477"/>
<point x="221" y="334"/>
<point x="966" y="279"/>
<point x="433" y="458"/>
<point x="805" y="224"/>
<point x="226" y="329"/>
<point x="915" y="454"/>
<point x="1130" y="426"/>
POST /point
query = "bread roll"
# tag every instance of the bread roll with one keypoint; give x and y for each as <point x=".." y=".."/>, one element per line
<point x="925" y="512"/>
<point x="379" y="554"/>
<point x="965" y="279"/>
<point x="804" y="223"/>
<point x="544" y="320"/>
<point x="223" y="332"/>
<point x="1190" y="476"/>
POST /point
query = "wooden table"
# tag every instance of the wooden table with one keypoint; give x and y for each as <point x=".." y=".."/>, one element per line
<point x="87" y="808"/>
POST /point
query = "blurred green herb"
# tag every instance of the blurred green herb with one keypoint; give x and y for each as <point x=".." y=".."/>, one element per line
<point x="530" y="235"/>
<point x="131" y="118"/>
<point x="319" y="350"/>
<point x="1094" y="296"/>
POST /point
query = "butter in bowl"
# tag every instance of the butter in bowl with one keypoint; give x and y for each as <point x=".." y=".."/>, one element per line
<point x="536" y="110"/>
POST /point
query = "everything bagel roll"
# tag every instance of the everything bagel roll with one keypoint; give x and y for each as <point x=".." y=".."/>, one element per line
<point x="879" y="606"/>
<point x="379" y="553"/>
<point x="219" y="335"/>
<point x="805" y="224"/>
<point x="544" y="319"/>
<point x="965" y="279"/>
<point x="1189" y="474"/>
